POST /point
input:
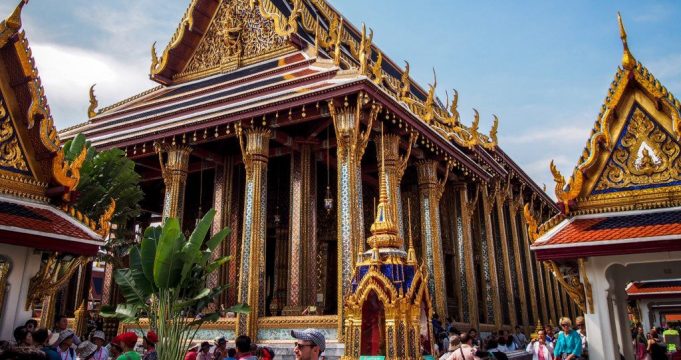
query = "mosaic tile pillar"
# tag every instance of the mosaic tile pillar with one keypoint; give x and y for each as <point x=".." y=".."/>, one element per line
<point x="301" y="247"/>
<point x="255" y="151"/>
<point x="465" y="256"/>
<point x="222" y="203"/>
<point x="520" y="270"/>
<point x="511" y="286"/>
<point x="548" y="277"/>
<point x="174" y="171"/>
<point x="491" y="258"/>
<point x="351" y="143"/>
<point x="430" y="193"/>
<point x="395" y="165"/>
<point x="520" y="238"/>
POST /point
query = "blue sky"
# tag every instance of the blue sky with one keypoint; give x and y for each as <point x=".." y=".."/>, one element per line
<point x="542" y="66"/>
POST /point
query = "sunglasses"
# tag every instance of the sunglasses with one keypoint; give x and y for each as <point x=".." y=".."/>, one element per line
<point x="298" y="345"/>
<point x="564" y="324"/>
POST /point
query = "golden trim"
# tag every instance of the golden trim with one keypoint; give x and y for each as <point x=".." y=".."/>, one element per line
<point x="283" y="26"/>
<point x="11" y="25"/>
<point x="92" y="109"/>
<point x="285" y="322"/>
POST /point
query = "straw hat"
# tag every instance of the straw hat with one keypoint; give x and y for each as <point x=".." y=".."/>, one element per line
<point x="86" y="349"/>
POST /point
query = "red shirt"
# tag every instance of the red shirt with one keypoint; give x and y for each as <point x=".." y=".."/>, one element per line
<point x="190" y="355"/>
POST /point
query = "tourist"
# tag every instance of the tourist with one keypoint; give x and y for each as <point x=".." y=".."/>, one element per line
<point x="149" y="342"/>
<point x="220" y="351"/>
<point x="61" y="323"/>
<point x="204" y="352"/>
<point x="548" y="331"/>
<point x="473" y="334"/>
<point x="656" y="348"/>
<point x="581" y="330"/>
<point x="437" y="326"/>
<point x="519" y="337"/>
<point x="509" y="344"/>
<point x="454" y="343"/>
<point x="243" y="348"/>
<point x="466" y="351"/>
<point x="23" y="337"/>
<point x="231" y="354"/>
<point x="640" y="344"/>
<point x="41" y="339"/>
<point x="86" y="351"/>
<point x="115" y="348"/>
<point x="192" y="352"/>
<point x="63" y="343"/>
<point x="127" y="341"/>
<point x="568" y="341"/>
<point x="540" y="348"/>
<point x="22" y="353"/>
<point x="310" y="345"/>
<point x="31" y="325"/>
<point x="493" y="349"/>
<point x="98" y="338"/>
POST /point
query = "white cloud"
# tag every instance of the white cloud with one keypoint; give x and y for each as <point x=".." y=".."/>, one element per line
<point x="68" y="72"/>
<point x="555" y="135"/>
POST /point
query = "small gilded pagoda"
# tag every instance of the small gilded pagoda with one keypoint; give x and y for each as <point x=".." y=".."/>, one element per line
<point x="388" y="312"/>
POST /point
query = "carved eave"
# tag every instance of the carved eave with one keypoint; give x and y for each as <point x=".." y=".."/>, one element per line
<point x="180" y="49"/>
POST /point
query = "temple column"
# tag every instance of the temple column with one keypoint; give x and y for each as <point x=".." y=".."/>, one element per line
<point x="302" y="241"/>
<point x="350" y="145"/>
<point x="542" y="292"/>
<point x="255" y="151"/>
<point x="430" y="193"/>
<point x="466" y="257"/>
<point x="514" y="208"/>
<point x="487" y="202"/>
<point x="174" y="172"/>
<point x="511" y="287"/>
<point x="549" y="294"/>
<point x="222" y="203"/>
<point x="519" y="266"/>
<point x="556" y="295"/>
<point x="395" y="164"/>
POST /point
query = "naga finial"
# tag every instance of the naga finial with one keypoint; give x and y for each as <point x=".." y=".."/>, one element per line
<point x="154" y="58"/>
<point x="575" y="186"/>
<point x="337" y="44"/>
<point x="406" y="85"/>
<point x="493" y="131"/>
<point x="377" y="70"/>
<point x="92" y="109"/>
<point x="12" y="24"/>
<point x="628" y="61"/>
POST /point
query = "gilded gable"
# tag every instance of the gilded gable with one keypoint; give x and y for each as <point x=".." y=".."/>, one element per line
<point x="645" y="156"/>
<point x="12" y="157"/>
<point x="237" y="35"/>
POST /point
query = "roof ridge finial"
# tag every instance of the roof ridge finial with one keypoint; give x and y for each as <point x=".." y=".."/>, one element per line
<point x="628" y="61"/>
<point x="411" y="253"/>
<point x="383" y="230"/>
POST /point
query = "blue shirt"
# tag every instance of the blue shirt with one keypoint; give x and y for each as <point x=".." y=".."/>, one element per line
<point x="570" y="344"/>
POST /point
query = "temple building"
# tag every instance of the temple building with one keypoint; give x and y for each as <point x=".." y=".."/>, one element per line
<point x="619" y="229"/>
<point x="271" y="111"/>
<point x="45" y="244"/>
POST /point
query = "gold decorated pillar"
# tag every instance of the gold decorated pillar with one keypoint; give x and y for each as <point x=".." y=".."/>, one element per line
<point x="520" y="238"/>
<point x="222" y="203"/>
<point x="351" y="143"/>
<point x="430" y="193"/>
<point x="466" y="257"/>
<point x="511" y="287"/>
<point x="302" y="247"/>
<point x="174" y="171"/>
<point x="487" y="205"/>
<point x="395" y="165"/>
<point x="255" y="151"/>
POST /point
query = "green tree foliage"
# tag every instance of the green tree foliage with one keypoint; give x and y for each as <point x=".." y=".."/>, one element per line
<point x="167" y="283"/>
<point x="107" y="175"/>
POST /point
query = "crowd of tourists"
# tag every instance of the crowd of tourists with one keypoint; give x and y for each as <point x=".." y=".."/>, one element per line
<point x="61" y="343"/>
<point x="565" y="342"/>
<point x="651" y="345"/>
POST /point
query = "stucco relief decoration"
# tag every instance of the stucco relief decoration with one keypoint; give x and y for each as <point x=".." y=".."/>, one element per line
<point x="646" y="156"/>
<point x="11" y="156"/>
<point x="237" y="32"/>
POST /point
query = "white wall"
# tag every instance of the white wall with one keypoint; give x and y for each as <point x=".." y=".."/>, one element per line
<point x="25" y="264"/>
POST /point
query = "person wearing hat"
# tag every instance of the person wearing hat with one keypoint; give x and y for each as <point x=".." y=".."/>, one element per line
<point x="149" y="343"/>
<point x="127" y="342"/>
<point x="41" y="340"/>
<point x="192" y="352"/>
<point x="86" y="350"/>
<point x="310" y="345"/>
<point x="204" y="352"/>
<point x="98" y="338"/>
<point x="115" y="348"/>
<point x="63" y="344"/>
<point x="220" y="351"/>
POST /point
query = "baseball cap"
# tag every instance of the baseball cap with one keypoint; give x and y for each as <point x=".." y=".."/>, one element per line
<point x="314" y="335"/>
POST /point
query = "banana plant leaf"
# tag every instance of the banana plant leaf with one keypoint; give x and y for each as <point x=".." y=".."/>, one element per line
<point x="168" y="262"/>
<point x="132" y="293"/>
<point x="137" y="272"/>
<point x="148" y="251"/>
<point x="192" y="250"/>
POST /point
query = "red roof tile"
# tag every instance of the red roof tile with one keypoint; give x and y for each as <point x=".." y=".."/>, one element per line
<point x="654" y="287"/>
<point x="588" y="229"/>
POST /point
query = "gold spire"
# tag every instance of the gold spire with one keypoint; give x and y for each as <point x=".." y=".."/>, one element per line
<point x="411" y="253"/>
<point x="628" y="61"/>
<point x="92" y="109"/>
<point x="383" y="230"/>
